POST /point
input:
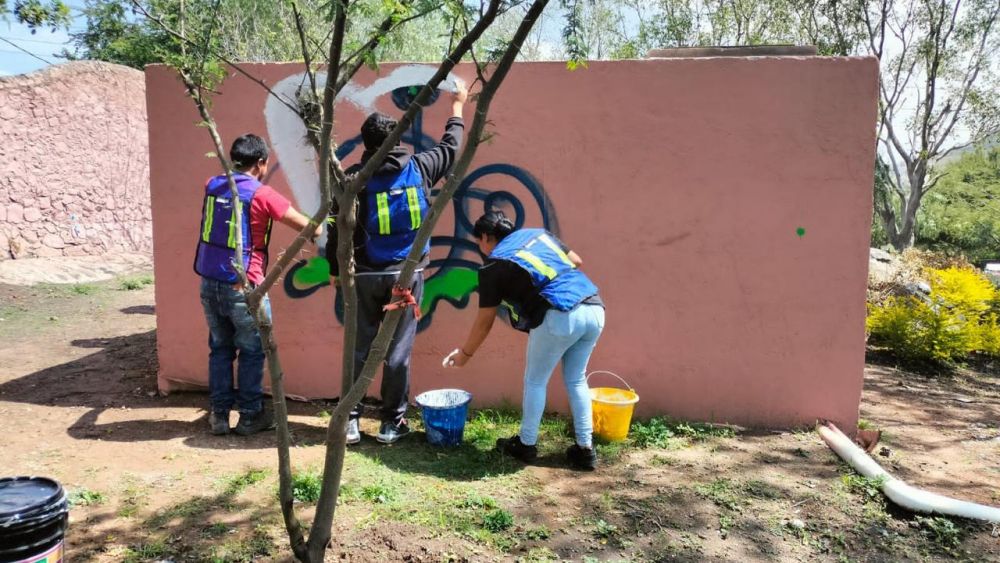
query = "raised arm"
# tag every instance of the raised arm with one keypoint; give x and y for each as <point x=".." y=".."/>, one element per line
<point x="436" y="163"/>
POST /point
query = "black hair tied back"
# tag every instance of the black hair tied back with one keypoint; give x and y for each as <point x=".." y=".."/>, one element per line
<point x="493" y="223"/>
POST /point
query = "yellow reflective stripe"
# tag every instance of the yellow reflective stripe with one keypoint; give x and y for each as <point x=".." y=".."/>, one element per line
<point x="555" y="248"/>
<point x="206" y="229"/>
<point x="382" y="200"/>
<point x="232" y="229"/>
<point x="511" y="311"/>
<point x="536" y="263"/>
<point x="413" y="202"/>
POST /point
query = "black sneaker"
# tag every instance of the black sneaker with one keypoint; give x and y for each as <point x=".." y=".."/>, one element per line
<point x="514" y="448"/>
<point x="391" y="432"/>
<point x="582" y="458"/>
<point x="256" y="422"/>
<point x="219" y="421"/>
<point x="353" y="432"/>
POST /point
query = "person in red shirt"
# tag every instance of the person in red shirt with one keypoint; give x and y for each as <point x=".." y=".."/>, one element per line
<point x="233" y="334"/>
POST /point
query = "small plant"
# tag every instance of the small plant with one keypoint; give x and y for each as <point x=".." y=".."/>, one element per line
<point x="215" y="530"/>
<point x="498" y="520"/>
<point x="538" y="534"/>
<point x="722" y="492"/>
<point x="942" y="531"/>
<point x="604" y="530"/>
<point x="654" y="433"/>
<point x="82" y="288"/>
<point x="869" y="488"/>
<point x="762" y="490"/>
<point x="866" y="424"/>
<point x="378" y="493"/>
<point x="306" y="485"/>
<point x="145" y="551"/>
<point x="479" y="502"/>
<point x="133" y="499"/>
<point x="659" y="432"/>
<point x="85" y="497"/>
<point x="131" y="284"/>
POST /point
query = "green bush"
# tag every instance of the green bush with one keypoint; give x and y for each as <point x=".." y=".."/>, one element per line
<point x="956" y="320"/>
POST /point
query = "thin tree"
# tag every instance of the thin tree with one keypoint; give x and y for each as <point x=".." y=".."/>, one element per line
<point x="335" y="184"/>
<point x="938" y="94"/>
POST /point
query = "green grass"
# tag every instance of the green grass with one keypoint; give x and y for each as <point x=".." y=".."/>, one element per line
<point x="133" y="498"/>
<point x="131" y="284"/>
<point x="943" y="532"/>
<point x="86" y="497"/>
<point x="498" y="520"/>
<point x="259" y="544"/>
<point x="233" y="485"/>
<point x="306" y="485"/>
<point x="83" y="289"/>
<point x="723" y="492"/>
<point x="146" y="551"/>
<point x="664" y="433"/>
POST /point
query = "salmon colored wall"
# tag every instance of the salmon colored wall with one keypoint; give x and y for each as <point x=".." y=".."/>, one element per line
<point x="722" y="205"/>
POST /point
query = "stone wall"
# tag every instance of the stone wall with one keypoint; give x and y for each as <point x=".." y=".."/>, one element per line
<point x="74" y="162"/>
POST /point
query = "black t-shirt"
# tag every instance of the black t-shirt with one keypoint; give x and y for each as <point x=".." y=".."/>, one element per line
<point x="503" y="280"/>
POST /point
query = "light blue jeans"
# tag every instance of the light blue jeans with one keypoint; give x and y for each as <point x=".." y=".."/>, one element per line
<point x="569" y="337"/>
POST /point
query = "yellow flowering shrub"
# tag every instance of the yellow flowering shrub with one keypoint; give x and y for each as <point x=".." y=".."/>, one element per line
<point x="957" y="319"/>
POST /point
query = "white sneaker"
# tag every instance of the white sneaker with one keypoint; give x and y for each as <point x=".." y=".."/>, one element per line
<point x="353" y="432"/>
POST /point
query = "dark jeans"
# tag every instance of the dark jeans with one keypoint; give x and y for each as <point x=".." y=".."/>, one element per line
<point x="374" y="292"/>
<point x="232" y="334"/>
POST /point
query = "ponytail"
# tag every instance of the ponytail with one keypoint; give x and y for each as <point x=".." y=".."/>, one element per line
<point x="495" y="224"/>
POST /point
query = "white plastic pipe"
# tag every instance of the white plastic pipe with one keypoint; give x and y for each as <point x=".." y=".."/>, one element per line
<point x="912" y="498"/>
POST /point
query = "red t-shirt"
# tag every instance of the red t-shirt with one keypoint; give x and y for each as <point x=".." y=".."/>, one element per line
<point x="268" y="205"/>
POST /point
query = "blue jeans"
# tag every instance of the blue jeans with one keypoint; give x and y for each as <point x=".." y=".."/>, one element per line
<point x="569" y="337"/>
<point x="231" y="329"/>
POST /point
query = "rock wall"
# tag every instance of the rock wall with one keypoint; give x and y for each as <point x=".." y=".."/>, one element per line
<point x="74" y="162"/>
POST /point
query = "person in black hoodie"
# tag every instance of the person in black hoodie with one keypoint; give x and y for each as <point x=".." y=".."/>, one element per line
<point x="391" y="208"/>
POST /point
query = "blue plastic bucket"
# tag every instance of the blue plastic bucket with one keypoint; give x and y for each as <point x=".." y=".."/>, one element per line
<point x="444" y="412"/>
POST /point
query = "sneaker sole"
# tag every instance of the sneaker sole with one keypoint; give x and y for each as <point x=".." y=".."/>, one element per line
<point x="383" y="440"/>
<point x="353" y="441"/>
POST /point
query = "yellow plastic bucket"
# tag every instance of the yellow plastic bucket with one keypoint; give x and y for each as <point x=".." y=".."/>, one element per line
<point x="612" y="408"/>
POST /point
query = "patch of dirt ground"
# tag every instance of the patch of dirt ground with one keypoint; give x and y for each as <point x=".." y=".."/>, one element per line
<point x="149" y="483"/>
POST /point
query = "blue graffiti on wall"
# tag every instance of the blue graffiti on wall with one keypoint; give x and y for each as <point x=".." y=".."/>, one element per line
<point x="455" y="275"/>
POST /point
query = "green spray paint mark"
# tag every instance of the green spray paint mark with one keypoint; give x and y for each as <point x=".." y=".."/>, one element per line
<point x="801" y="231"/>
<point x="315" y="272"/>
<point x="453" y="285"/>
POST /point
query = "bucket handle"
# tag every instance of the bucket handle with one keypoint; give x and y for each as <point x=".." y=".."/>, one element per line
<point x="629" y="387"/>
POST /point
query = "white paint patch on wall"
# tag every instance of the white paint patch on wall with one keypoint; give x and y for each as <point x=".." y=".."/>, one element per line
<point x="288" y="134"/>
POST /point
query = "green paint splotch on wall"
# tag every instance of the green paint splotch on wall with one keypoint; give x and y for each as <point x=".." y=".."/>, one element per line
<point x="453" y="285"/>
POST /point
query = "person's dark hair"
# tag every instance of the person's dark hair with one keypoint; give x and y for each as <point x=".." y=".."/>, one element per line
<point x="247" y="150"/>
<point x="375" y="129"/>
<point x="494" y="223"/>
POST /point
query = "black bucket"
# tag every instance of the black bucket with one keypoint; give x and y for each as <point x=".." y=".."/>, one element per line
<point x="33" y="518"/>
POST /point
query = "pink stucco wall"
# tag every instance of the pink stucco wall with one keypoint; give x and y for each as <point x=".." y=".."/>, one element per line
<point x="74" y="172"/>
<point x="722" y="205"/>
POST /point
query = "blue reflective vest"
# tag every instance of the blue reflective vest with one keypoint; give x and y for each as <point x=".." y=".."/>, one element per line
<point x="397" y="207"/>
<point x="216" y="252"/>
<point x="552" y="272"/>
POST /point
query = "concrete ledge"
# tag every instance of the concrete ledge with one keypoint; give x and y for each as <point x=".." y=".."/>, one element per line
<point x="743" y="51"/>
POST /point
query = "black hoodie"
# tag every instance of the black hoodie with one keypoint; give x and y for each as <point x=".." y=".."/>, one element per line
<point x="434" y="164"/>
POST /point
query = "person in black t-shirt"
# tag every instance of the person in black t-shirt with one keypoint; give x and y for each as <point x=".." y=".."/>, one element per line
<point x="535" y="278"/>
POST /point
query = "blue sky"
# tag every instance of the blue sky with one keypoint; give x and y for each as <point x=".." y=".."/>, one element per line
<point x="44" y="43"/>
